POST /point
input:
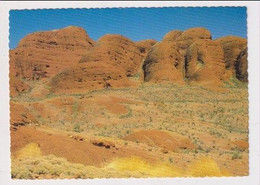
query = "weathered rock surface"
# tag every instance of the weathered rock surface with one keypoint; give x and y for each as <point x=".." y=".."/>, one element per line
<point x="116" y="50"/>
<point x="87" y="76"/>
<point x="191" y="35"/>
<point x="232" y="47"/>
<point x="162" y="63"/>
<point x="205" y="61"/>
<point x="172" y="35"/>
<point x="145" y="45"/>
<point x="44" y="54"/>
<point x="17" y="86"/>
<point x="166" y="60"/>
<point x="242" y="66"/>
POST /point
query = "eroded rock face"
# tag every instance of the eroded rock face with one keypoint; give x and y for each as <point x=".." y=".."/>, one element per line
<point x="205" y="61"/>
<point x="145" y="46"/>
<point x="116" y="50"/>
<point x="87" y="76"/>
<point x="17" y="86"/>
<point x="166" y="60"/>
<point x="162" y="63"/>
<point x="191" y="35"/>
<point x="187" y="38"/>
<point x="242" y="66"/>
<point x="44" y="54"/>
<point x="232" y="47"/>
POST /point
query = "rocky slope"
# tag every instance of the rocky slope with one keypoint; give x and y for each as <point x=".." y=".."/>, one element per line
<point x="17" y="86"/>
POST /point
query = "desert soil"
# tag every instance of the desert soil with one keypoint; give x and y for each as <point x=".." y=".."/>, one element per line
<point x="158" y="123"/>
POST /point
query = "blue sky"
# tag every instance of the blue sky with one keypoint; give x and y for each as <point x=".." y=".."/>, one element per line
<point x="134" y="23"/>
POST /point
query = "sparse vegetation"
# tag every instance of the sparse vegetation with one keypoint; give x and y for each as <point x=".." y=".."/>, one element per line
<point x="128" y="115"/>
<point x="236" y="155"/>
<point x="53" y="167"/>
<point x="77" y="128"/>
<point x="210" y="120"/>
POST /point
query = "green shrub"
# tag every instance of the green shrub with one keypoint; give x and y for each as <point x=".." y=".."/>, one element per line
<point x="77" y="128"/>
<point x="236" y="155"/>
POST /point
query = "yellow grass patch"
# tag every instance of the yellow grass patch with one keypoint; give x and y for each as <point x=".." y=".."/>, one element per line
<point x="137" y="165"/>
<point x="206" y="167"/>
<point x="30" y="150"/>
<point x="53" y="167"/>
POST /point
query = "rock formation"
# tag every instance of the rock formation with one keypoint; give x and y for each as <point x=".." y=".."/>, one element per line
<point x="162" y="63"/>
<point x="232" y="47"/>
<point x="88" y="76"/>
<point x="242" y="65"/>
<point x="145" y="45"/>
<point x="172" y="35"/>
<point x="205" y="61"/>
<point x="195" y="56"/>
<point x="166" y="60"/>
<point x="72" y="62"/>
<point x="116" y="50"/>
<point x="191" y="35"/>
<point x="44" y="54"/>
